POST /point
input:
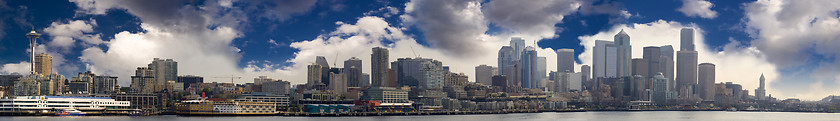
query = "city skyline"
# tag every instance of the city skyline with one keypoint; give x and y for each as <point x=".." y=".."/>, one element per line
<point x="84" y="38"/>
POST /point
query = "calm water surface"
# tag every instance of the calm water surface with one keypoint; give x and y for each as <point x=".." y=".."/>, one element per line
<point x="572" y="116"/>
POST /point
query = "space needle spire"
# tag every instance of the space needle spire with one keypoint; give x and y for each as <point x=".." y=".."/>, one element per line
<point x="32" y="37"/>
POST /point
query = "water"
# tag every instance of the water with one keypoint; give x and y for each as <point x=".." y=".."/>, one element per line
<point x="551" y="116"/>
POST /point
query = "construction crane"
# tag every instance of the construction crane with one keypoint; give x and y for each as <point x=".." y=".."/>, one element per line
<point x="232" y="77"/>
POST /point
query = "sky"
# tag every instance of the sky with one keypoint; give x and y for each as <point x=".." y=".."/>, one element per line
<point x="794" y="43"/>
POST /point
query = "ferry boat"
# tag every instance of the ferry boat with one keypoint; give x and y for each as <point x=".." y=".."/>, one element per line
<point x="70" y="112"/>
<point x="222" y="107"/>
<point x="48" y="103"/>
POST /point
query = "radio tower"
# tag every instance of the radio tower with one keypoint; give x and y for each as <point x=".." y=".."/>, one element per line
<point x="32" y="36"/>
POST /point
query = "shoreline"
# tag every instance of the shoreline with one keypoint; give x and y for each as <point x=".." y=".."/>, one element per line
<point x="424" y="113"/>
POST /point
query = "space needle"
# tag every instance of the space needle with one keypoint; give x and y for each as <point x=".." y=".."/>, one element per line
<point x="32" y="37"/>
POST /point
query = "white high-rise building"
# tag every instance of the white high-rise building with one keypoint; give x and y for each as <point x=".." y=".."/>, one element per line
<point x="565" y="60"/>
<point x="760" y="92"/>
<point x="484" y="74"/>
<point x="540" y="76"/>
<point x="604" y="59"/>
<point x="706" y="78"/>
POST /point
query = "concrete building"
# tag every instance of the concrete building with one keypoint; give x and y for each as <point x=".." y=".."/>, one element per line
<point x="485" y="73"/>
<point x="29" y="85"/>
<point x="8" y="83"/>
<point x="706" y="78"/>
<point x="43" y="64"/>
<point x="586" y="73"/>
<point x="338" y="83"/>
<point x="325" y="69"/>
<point x="540" y="76"/>
<point x="686" y="62"/>
<point x="277" y="87"/>
<point x="529" y="68"/>
<point x="623" y="48"/>
<point x="760" y="92"/>
<point x="353" y="70"/>
<point x="565" y="60"/>
<point x="456" y="80"/>
<point x="143" y="80"/>
<point x="83" y="83"/>
<point x="568" y="81"/>
<point x="188" y="80"/>
<point x="313" y="74"/>
<point x="420" y="72"/>
<point x="385" y="95"/>
<point x="164" y="70"/>
<point x="259" y="80"/>
<point x="500" y="81"/>
<point x="104" y="85"/>
<point x="379" y="67"/>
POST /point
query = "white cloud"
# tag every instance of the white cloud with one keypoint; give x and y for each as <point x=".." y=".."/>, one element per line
<point x="698" y="8"/>
<point x="20" y="68"/>
<point x="791" y="33"/>
<point x="64" y="35"/>
<point x="742" y="65"/>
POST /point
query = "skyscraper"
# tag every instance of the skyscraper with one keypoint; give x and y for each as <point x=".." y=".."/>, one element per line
<point x="659" y="88"/>
<point x="528" y="68"/>
<point x="43" y="64"/>
<point x="585" y="74"/>
<point x="421" y="72"/>
<point x="652" y="55"/>
<point x="706" y="78"/>
<point x="622" y="42"/>
<point x="507" y="62"/>
<point x="143" y="80"/>
<point x="325" y="69"/>
<point x="484" y="74"/>
<point x="104" y="84"/>
<point x="379" y="67"/>
<point x="686" y="62"/>
<point x="353" y="71"/>
<point x="518" y="45"/>
<point x="666" y="62"/>
<point x="760" y="93"/>
<point x="313" y="74"/>
<point x="540" y="76"/>
<point x="565" y="60"/>
<point x="604" y="59"/>
<point x="164" y="70"/>
<point x="338" y="83"/>
<point x="640" y="67"/>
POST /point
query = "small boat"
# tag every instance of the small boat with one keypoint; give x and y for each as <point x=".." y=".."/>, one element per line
<point x="731" y="109"/>
<point x="70" y="112"/>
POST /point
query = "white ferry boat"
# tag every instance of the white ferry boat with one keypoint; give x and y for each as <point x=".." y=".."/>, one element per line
<point x="56" y="103"/>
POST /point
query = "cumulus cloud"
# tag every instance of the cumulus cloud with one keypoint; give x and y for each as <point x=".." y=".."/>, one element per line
<point x="802" y="38"/>
<point x="698" y="8"/>
<point x="733" y="63"/>
<point x="451" y="25"/>
<point x="20" y="68"/>
<point x="536" y="17"/>
<point x="198" y="36"/>
<point x="64" y="35"/>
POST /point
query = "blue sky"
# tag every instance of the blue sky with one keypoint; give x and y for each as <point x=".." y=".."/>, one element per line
<point x="794" y="45"/>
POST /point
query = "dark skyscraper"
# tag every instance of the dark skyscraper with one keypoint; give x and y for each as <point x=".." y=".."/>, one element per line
<point x="379" y="67"/>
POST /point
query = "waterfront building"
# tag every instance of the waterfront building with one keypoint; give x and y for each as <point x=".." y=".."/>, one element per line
<point x="706" y="80"/>
<point x="38" y="103"/>
<point x="277" y="87"/>
<point x="147" y="101"/>
<point x="143" y="80"/>
<point x="385" y="95"/>
<point x="379" y="67"/>
<point x="484" y="74"/>
<point x="104" y="84"/>
<point x="353" y="70"/>
<point x="686" y="63"/>
<point x="222" y="107"/>
<point x="29" y="85"/>
<point x="281" y="102"/>
<point x="420" y="72"/>
<point x="565" y="60"/>
<point x="43" y="64"/>
<point x="8" y="83"/>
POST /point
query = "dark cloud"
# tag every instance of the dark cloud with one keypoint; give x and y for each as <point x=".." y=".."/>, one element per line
<point x="451" y="25"/>
<point x="278" y="10"/>
<point x="532" y="17"/>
